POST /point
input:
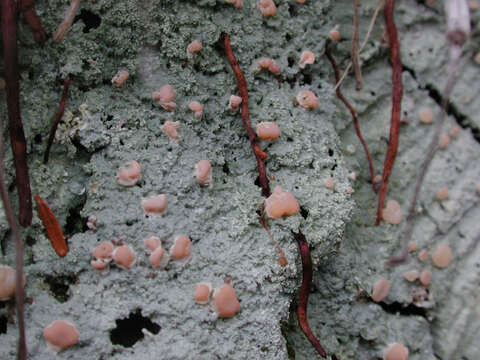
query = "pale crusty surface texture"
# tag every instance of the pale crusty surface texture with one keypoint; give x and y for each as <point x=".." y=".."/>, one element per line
<point x="104" y="127"/>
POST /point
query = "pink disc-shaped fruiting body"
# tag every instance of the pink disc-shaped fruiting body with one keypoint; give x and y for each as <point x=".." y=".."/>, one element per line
<point x="234" y="102"/>
<point x="442" y="256"/>
<point x="380" y="289"/>
<point x="120" y="78"/>
<point x="203" y="173"/>
<point x="426" y="116"/>
<point x="153" y="242"/>
<point x="236" y="3"/>
<point x="426" y="277"/>
<point x="225" y="302"/>
<point x="129" y="174"/>
<point x="267" y="7"/>
<point x="281" y="203"/>
<point x="202" y="293"/>
<point x="181" y="249"/>
<point x="423" y="255"/>
<point x="396" y="352"/>
<point x="8" y="282"/>
<point x="164" y="97"/>
<point x="444" y="141"/>
<point x="330" y="183"/>
<point x="442" y="194"/>
<point x="124" y="257"/>
<point x="455" y="131"/>
<point x="100" y="265"/>
<point x="392" y="213"/>
<point x="155" y="205"/>
<point x="270" y="65"/>
<point x="412" y="275"/>
<point x="170" y="128"/>
<point x="301" y="1"/>
<point x="92" y="223"/>
<point x="60" y="335"/>
<point x="334" y="35"/>
<point x="307" y="99"/>
<point x="103" y="251"/>
<point x="194" y="47"/>
<point x="412" y="246"/>
<point x="268" y="130"/>
<point x="196" y="108"/>
<point x="159" y="258"/>
<point x="306" y="58"/>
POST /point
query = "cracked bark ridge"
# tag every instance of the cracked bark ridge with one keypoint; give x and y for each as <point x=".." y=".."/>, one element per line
<point x="17" y="136"/>
<point x="353" y="112"/>
<point x="307" y="275"/>
<point x="260" y="155"/>
<point x="58" y="117"/>
<point x="397" y="93"/>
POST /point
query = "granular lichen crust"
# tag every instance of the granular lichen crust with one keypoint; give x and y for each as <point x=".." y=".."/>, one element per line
<point x="105" y="127"/>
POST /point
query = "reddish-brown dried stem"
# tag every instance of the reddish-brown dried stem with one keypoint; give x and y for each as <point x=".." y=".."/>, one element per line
<point x="354" y="115"/>
<point x="30" y="16"/>
<point x="396" y="104"/>
<point x="19" y="291"/>
<point x="17" y="136"/>
<point x="54" y="230"/>
<point x="58" y="117"/>
<point x="9" y="29"/>
<point x="260" y="155"/>
<point x="355" y="59"/>
<point x="307" y="274"/>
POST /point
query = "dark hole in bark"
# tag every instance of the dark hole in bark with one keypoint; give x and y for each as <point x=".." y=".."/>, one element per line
<point x="226" y="169"/>
<point x="75" y="222"/>
<point x="303" y="212"/>
<point x="3" y="324"/>
<point x="129" y="330"/>
<point x="90" y="19"/>
<point x="59" y="286"/>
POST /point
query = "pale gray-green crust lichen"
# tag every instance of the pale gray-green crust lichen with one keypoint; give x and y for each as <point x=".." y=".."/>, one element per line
<point x="104" y="127"/>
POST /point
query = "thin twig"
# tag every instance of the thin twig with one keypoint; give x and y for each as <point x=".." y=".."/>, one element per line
<point x="260" y="155"/>
<point x="67" y="21"/>
<point x="58" y="117"/>
<point x="396" y="104"/>
<point x="458" y="32"/>
<point x="9" y="34"/>
<point x="307" y="275"/>
<point x="30" y="16"/>
<point x="355" y="59"/>
<point x="370" y="28"/>
<point x="354" y="116"/>
<point x="12" y="221"/>
<point x="17" y="136"/>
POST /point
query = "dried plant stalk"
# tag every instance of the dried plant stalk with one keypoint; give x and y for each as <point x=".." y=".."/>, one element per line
<point x="396" y="104"/>
<point x="9" y="32"/>
<point x="62" y="29"/>
<point x="355" y="58"/>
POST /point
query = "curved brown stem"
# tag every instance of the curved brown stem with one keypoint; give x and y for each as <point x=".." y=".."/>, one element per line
<point x="260" y="155"/>
<point x="307" y="275"/>
<point x="356" y="124"/>
<point x="17" y="136"/>
<point x="58" y="117"/>
<point x="396" y="105"/>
